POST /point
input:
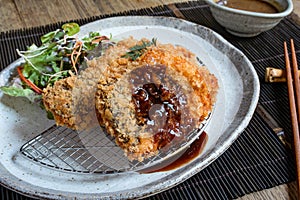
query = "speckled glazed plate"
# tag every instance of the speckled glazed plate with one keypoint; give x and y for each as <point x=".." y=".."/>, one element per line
<point x="20" y="121"/>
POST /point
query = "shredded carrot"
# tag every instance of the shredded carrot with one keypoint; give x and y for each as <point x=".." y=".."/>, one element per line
<point x="78" y="54"/>
<point x="78" y="44"/>
<point x="77" y="50"/>
<point x="28" y="82"/>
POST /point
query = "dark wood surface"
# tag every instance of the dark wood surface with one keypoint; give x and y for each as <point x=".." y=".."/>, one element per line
<point x="16" y="14"/>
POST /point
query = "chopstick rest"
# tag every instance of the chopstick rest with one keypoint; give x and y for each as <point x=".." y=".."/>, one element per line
<point x="275" y="75"/>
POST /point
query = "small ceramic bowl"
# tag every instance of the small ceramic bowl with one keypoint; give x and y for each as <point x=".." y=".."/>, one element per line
<point x="247" y="23"/>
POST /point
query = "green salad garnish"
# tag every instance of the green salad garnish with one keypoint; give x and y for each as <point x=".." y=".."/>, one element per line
<point x="60" y="55"/>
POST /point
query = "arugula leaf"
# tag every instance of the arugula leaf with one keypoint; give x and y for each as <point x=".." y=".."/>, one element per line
<point x="45" y="38"/>
<point x="87" y="41"/>
<point x="52" y="36"/>
<point x="20" y="92"/>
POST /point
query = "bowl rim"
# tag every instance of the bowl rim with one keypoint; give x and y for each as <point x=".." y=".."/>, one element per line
<point x="284" y="13"/>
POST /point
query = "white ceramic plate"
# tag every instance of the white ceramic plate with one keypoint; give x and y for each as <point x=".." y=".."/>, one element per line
<point x="20" y="121"/>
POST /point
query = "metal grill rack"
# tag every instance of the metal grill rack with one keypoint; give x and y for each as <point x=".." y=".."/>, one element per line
<point x="68" y="150"/>
<point x="90" y="151"/>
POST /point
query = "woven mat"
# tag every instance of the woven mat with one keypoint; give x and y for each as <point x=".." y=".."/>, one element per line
<point x="257" y="160"/>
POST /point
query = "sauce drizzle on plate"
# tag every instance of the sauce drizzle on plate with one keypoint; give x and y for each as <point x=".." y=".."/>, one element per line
<point x="192" y="152"/>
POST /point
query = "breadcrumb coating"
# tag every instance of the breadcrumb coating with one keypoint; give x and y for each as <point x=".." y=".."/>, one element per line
<point x="106" y="89"/>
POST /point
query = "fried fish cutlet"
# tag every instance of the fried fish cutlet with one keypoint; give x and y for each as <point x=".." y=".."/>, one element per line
<point x="146" y="110"/>
<point x="69" y="99"/>
<point x="146" y="104"/>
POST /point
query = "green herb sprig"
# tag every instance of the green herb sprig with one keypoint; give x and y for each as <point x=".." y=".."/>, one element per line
<point x="138" y="50"/>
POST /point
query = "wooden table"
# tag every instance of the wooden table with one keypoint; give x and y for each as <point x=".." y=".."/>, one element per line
<point x="17" y="14"/>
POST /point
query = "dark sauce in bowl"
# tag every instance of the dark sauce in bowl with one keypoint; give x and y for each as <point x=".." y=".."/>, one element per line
<point x="252" y="5"/>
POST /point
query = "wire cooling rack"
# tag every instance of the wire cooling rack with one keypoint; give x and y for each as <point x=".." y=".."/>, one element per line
<point x="66" y="149"/>
<point x="92" y="151"/>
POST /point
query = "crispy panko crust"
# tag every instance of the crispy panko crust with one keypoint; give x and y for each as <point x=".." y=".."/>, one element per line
<point x="105" y="82"/>
<point x="58" y="100"/>
<point x="116" y="112"/>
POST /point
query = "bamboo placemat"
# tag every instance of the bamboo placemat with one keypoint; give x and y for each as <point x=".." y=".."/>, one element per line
<point x="257" y="160"/>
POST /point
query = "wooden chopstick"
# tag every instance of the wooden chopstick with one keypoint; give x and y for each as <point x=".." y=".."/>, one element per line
<point x="294" y="101"/>
<point x="296" y="78"/>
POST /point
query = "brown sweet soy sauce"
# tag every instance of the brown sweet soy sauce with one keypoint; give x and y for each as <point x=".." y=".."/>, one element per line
<point x="151" y="94"/>
<point x="192" y="152"/>
<point x="252" y="5"/>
